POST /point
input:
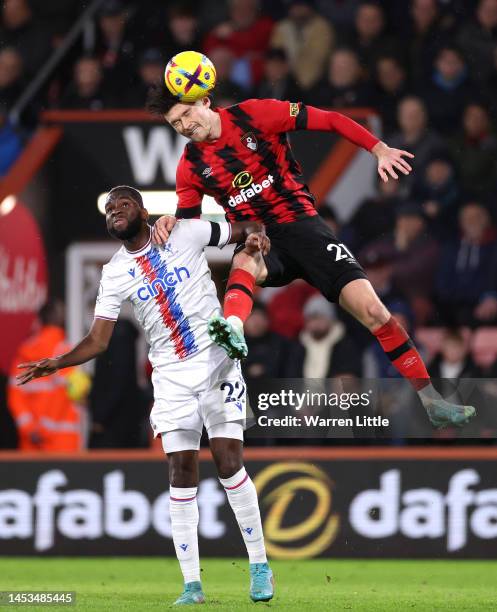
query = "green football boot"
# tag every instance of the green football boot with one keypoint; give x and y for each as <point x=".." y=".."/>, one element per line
<point x="443" y="413"/>
<point x="228" y="337"/>
<point x="261" y="582"/>
<point x="192" y="594"/>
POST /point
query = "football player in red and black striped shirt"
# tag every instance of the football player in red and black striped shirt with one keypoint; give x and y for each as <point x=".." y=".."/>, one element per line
<point x="241" y="156"/>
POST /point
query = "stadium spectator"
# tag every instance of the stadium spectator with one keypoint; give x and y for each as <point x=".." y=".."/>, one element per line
<point x="378" y="260"/>
<point x="486" y="310"/>
<point x="44" y="410"/>
<point x="285" y="308"/>
<point x="269" y="354"/>
<point x="11" y="78"/>
<point x="247" y="34"/>
<point x="120" y="409"/>
<point x="307" y="38"/>
<point x="391" y="87"/>
<point x="474" y="150"/>
<point x="150" y="72"/>
<point x="87" y="89"/>
<point x="414" y="136"/>
<point x="437" y="190"/>
<point x="478" y="40"/>
<point x="449" y="90"/>
<point x="114" y="48"/>
<point x="369" y="38"/>
<point x="326" y="349"/>
<point x="454" y="358"/>
<point x="374" y="218"/>
<point x="19" y="29"/>
<point x="416" y="251"/>
<point x="427" y="32"/>
<point x="226" y="92"/>
<point x="466" y="269"/>
<point x="413" y="252"/>
<point x="10" y="145"/>
<point x="483" y="354"/>
<point x="341" y="14"/>
<point x="278" y="82"/>
<point x="344" y="85"/>
<point x="183" y="30"/>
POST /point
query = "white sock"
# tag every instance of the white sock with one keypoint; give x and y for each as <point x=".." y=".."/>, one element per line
<point x="184" y="522"/>
<point x="242" y="497"/>
<point x="236" y="322"/>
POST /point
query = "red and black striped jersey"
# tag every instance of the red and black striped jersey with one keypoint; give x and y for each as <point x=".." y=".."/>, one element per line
<point x="250" y="169"/>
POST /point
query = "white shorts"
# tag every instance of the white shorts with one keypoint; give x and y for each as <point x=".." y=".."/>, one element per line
<point x="205" y="390"/>
<point x="185" y="439"/>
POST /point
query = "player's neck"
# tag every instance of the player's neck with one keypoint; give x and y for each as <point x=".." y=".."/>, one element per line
<point x="216" y="129"/>
<point x="139" y="241"/>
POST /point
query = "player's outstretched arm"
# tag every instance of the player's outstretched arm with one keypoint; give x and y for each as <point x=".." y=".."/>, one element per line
<point x="389" y="159"/>
<point x="94" y="343"/>
<point x="253" y="234"/>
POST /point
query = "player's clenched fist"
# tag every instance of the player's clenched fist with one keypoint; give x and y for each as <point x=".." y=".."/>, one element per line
<point x="257" y="241"/>
<point x="162" y="228"/>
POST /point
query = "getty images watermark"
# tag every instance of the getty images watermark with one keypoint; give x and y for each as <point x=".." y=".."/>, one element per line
<point x="288" y="398"/>
<point x="350" y="407"/>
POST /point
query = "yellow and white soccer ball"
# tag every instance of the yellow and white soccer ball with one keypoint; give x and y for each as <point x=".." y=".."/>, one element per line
<point x="190" y="75"/>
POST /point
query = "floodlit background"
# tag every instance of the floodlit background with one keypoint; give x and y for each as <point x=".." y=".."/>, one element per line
<point x="74" y="78"/>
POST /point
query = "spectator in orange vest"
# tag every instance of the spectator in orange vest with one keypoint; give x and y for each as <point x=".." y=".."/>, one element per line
<point x="44" y="410"/>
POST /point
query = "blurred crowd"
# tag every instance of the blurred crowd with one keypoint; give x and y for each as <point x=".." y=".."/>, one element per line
<point x="428" y="68"/>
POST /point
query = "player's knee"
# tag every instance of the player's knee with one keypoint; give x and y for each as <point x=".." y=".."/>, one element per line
<point x="182" y="470"/>
<point x="376" y="314"/>
<point x="229" y="466"/>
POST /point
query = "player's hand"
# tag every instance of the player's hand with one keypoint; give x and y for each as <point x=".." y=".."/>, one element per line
<point x="257" y="242"/>
<point x="390" y="160"/>
<point x="162" y="229"/>
<point x="36" y="369"/>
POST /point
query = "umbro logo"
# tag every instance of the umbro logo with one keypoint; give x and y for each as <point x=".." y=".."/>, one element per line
<point x="207" y="172"/>
<point x="183" y="547"/>
<point x="132" y="272"/>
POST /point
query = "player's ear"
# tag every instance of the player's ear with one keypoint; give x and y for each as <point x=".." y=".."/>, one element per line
<point x="206" y="101"/>
<point x="144" y="214"/>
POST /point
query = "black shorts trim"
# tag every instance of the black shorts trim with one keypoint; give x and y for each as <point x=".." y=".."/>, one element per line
<point x="342" y="281"/>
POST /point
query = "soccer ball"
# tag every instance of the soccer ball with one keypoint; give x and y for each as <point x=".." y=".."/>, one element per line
<point x="190" y="75"/>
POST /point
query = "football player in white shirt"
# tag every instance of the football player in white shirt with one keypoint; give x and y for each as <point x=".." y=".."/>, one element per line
<point x="195" y="383"/>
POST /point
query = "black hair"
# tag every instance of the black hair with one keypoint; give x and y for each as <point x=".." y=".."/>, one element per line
<point x="453" y="48"/>
<point x="126" y="190"/>
<point x="160" y="100"/>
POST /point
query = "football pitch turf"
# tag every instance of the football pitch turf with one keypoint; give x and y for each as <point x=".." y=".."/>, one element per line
<point x="138" y="584"/>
